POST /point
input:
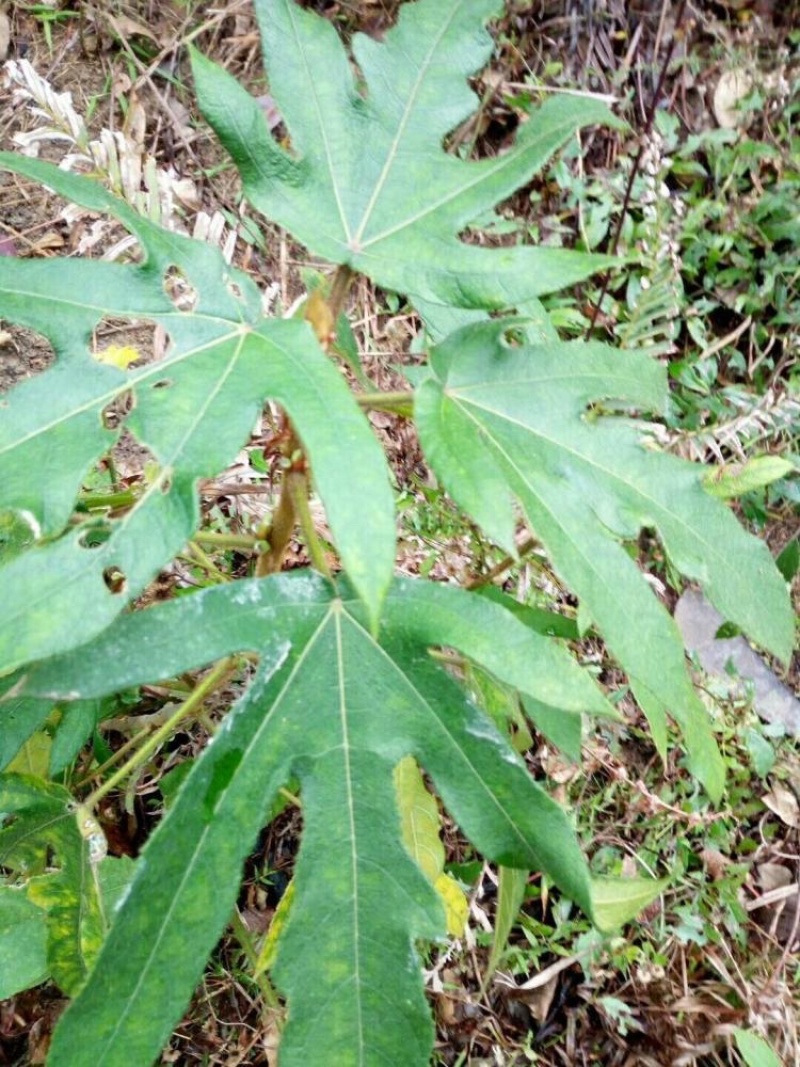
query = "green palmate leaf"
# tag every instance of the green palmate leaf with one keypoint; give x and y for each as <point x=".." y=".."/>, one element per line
<point x="39" y="832"/>
<point x="335" y="709"/>
<point x="194" y="408"/>
<point x="518" y="417"/>
<point x="366" y="182"/>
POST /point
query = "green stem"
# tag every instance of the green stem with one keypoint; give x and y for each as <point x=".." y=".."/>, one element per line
<point x="206" y="562"/>
<point x="115" y="757"/>
<point x="124" y="499"/>
<point x="298" y="489"/>
<point x="213" y="680"/>
<point x="225" y="540"/>
<point x="401" y="401"/>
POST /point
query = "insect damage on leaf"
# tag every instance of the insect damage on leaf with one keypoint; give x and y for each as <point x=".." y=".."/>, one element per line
<point x="194" y="409"/>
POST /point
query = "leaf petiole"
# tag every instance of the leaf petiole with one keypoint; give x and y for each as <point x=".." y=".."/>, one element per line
<point x="215" y="679"/>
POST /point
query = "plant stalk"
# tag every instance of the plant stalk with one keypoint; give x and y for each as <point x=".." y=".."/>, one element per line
<point x="213" y="680"/>
<point x="342" y="280"/>
<point x="401" y="402"/>
<point x="298" y="489"/>
<point x="279" y="532"/>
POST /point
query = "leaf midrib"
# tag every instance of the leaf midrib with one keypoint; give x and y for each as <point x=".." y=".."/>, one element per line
<point x="150" y="370"/>
<point x="656" y="506"/>
<point x="154" y="487"/>
<point x="487" y="173"/>
<point x="611" y="591"/>
<point x="393" y="147"/>
<point x="396" y="670"/>
<point x="311" y="83"/>
<point x="266" y="721"/>
<point x="348" y="774"/>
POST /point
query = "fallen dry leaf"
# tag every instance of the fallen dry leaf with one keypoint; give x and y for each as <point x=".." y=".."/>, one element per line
<point x="784" y="803"/>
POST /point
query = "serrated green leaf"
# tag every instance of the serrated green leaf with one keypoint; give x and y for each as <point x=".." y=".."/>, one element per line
<point x="114" y="875"/>
<point x="23" y="942"/>
<point x="318" y="711"/>
<point x="194" y="409"/>
<point x="502" y="704"/>
<point x="363" y="146"/>
<point x="563" y="729"/>
<point x="586" y="482"/>
<point x="78" y="719"/>
<point x="788" y="562"/>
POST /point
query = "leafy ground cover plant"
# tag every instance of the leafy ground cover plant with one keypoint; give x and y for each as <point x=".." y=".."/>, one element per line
<point x="345" y="688"/>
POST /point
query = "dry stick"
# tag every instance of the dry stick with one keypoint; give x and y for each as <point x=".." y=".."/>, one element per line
<point x="648" y="126"/>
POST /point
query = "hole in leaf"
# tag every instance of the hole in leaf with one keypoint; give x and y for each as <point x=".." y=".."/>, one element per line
<point x="23" y="354"/>
<point x="179" y="289"/>
<point x="163" y="383"/>
<point x="19" y="529"/>
<point x="234" y="289"/>
<point x="129" y="343"/>
<point x="95" y="534"/>
<point x="514" y="337"/>
<point x="115" y="580"/>
<point x="132" y="461"/>
<point x="115" y="413"/>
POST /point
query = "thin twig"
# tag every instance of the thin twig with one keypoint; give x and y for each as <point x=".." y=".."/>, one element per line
<point x="643" y="140"/>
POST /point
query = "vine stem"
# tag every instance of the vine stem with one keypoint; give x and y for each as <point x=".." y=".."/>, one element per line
<point x="213" y="680"/>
